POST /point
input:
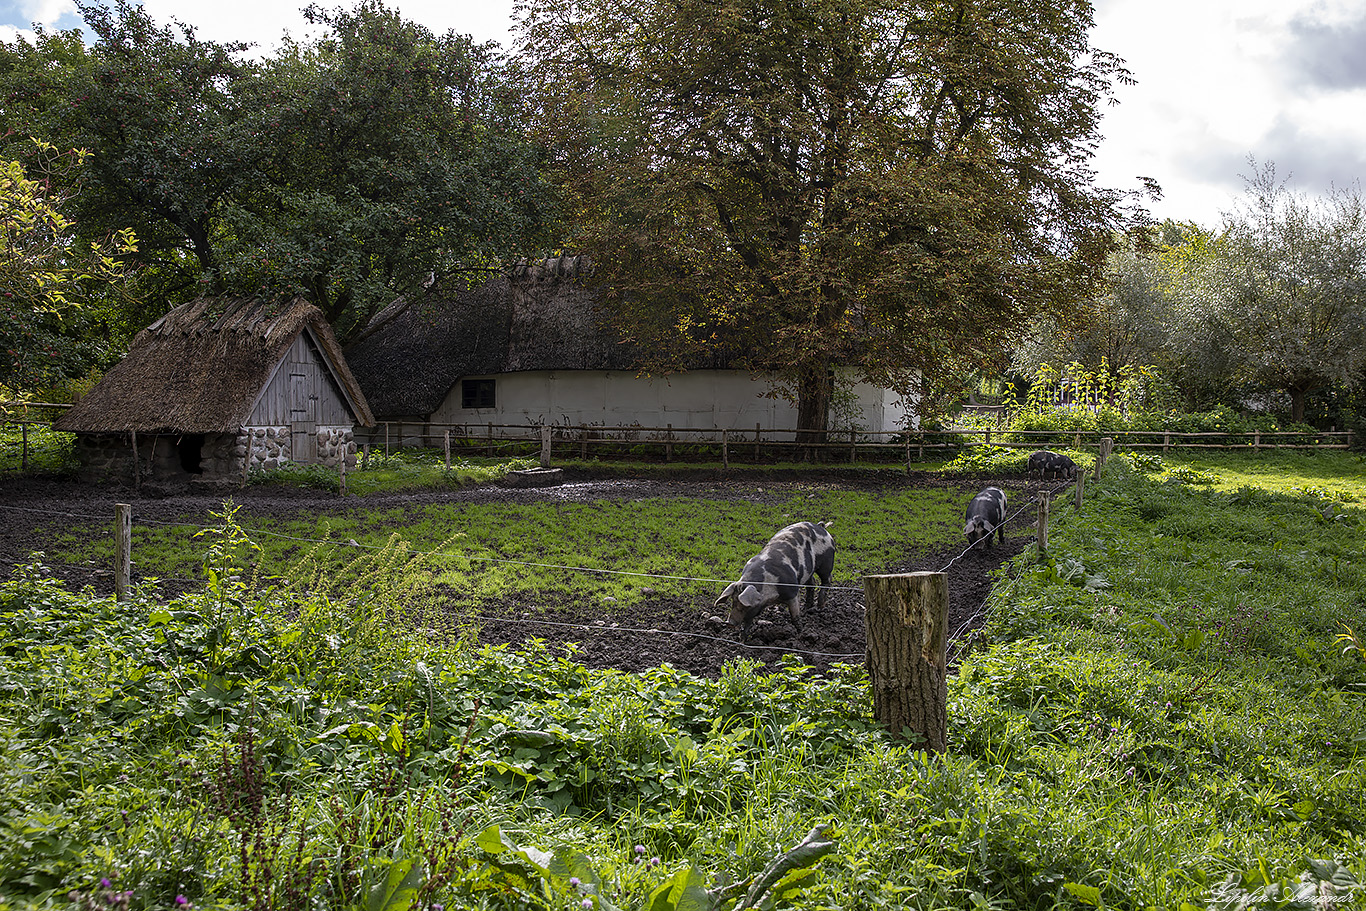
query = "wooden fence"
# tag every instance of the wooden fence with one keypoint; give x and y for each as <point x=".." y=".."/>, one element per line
<point x="688" y="443"/>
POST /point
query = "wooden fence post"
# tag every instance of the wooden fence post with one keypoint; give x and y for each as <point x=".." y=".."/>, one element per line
<point x="756" y="443"/>
<point x="341" y="472"/>
<point x="1081" y="485"/>
<point x="137" y="471"/>
<point x="583" y="442"/>
<point x="545" y="445"/>
<point x="489" y="438"/>
<point x="669" y="443"/>
<point x="1044" y="497"/>
<point x="725" y="449"/>
<point x="23" y="429"/>
<point x="1107" y="445"/>
<point x="906" y="625"/>
<point x="448" y="449"/>
<point x="1166" y="440"/>
<point x="908" y="453"/>
<point x="365" y="457"/>
<point x="123" y="550"/>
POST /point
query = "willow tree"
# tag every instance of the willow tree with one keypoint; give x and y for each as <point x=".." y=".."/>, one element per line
<point x="887" y="186"/>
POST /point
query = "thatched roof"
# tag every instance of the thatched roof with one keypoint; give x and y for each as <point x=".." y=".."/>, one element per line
<point x="200" y="368"/>
<point x="539" y="317"/>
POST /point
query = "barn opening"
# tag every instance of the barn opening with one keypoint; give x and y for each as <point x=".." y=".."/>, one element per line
<point x="190" y="449"/>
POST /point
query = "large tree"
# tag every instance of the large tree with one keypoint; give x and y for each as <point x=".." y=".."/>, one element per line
<point x="891" y="186"/>
<point x="352" y="168"/>
<point x="1294" y="298"/>
<point x="400" y="157"/>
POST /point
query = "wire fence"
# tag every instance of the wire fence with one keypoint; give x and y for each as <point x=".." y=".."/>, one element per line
<point x="186" y="583"/>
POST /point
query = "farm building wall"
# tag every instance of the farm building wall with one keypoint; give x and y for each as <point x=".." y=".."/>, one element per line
<point x="301" y="415"/>
<point x="698" y="399"/>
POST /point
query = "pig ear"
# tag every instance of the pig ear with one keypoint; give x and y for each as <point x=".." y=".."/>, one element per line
<point x="750" y="596"/>
<point x="725" y="595"/>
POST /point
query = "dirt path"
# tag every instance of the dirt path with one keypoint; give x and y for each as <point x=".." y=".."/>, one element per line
<point x="677" y="630"/>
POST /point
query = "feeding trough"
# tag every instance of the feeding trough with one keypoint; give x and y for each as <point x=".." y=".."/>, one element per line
<point x="534" y="477"/>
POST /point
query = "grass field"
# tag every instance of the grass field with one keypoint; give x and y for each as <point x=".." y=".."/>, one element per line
<point x="1169" y="712"/>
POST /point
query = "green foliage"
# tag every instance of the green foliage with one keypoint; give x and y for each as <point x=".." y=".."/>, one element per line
<point x="50" y="281"/>
<point x="1169" y="715"/>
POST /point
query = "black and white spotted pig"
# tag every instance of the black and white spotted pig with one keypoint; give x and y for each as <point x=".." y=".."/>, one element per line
<point x="789" y="562"/>
<point x="986" y="513"/>
<point x="1046" y="462"/>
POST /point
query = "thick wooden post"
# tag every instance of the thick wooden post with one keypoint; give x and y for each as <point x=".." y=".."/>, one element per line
<point x="1166" y="440"/>
<point x="545" y="445"/>
<point x="341" y="472"/>
<point x="448" y="450"/>
<point x="725" y="450"/>
<point x="123" y="550"/>
<point x="907" y="628"/>
<point x="1081" y="486"/>
<point x="1044" y="497"/>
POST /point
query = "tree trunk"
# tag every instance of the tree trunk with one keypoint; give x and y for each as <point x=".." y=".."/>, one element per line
<point x="815" y="388"/>
<point x="1297" y="405"/>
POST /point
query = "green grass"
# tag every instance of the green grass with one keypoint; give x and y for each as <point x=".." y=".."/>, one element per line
<point x="1164" y="716"/>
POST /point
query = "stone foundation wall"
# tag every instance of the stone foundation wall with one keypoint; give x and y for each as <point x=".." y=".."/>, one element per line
<point x="264" y="447"/>
<point x="335" y="444"/>
<point x="108" y="457"/>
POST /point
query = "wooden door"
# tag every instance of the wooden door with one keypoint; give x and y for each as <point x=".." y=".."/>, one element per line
<point x="304" y="380"/>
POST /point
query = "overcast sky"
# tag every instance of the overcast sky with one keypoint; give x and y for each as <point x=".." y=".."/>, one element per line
<point x="1218" y="80"/>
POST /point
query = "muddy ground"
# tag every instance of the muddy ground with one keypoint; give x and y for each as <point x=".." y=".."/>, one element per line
<point x="678" y="630"/>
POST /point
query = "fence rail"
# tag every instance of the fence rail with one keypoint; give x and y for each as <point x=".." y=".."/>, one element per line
<point x="670" y="441"/>
<point x="741" y="445"/>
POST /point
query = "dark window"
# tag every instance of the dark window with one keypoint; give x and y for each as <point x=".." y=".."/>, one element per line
<point x="476" y="394"/>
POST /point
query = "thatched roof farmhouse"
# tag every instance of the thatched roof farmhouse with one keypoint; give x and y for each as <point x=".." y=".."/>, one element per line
<point x="218" y="386"/>
<point x="529" y="348"/>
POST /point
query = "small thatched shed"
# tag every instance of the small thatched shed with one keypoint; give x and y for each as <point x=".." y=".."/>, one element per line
<point x="218" y="386"/>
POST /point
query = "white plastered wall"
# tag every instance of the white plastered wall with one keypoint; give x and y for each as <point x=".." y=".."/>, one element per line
<point x="699" y="399"/>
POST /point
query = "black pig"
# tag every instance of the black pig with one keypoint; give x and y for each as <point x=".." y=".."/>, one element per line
<point x="1046" y="462"/>
<point x="791" y="561"/>
<point x="986" y="513"/>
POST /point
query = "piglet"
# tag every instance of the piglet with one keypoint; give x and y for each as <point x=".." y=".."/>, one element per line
<point x="789" y="562"/>
<point x="986" y="513"/>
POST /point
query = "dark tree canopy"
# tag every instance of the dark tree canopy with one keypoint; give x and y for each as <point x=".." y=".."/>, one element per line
<point x="890" y="186"/>
<point x="351" y="169"/>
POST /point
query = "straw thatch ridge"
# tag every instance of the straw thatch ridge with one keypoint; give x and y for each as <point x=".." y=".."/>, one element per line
<point x="200" y="368"/>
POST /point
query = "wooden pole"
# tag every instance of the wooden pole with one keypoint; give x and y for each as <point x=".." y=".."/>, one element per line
<point x="123" y="550"/>
<point x="365" y="457"/>
<point x="448" y="449"/>
<point x="725" y="450"/>
<point x="341" y="472"/>
<point x="545" y="445"/>
<point x="489" y="438"/>
<point x="669" y="443"/>
<point x="756" y="443"/>
<point x="1081" y="485"/>
<point x="906" y="624"/>
<point x="1044" y="497"/>
<point x="23" y="428"/>
<point x="583" y="442"/>
<point x="137" y="471"/>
